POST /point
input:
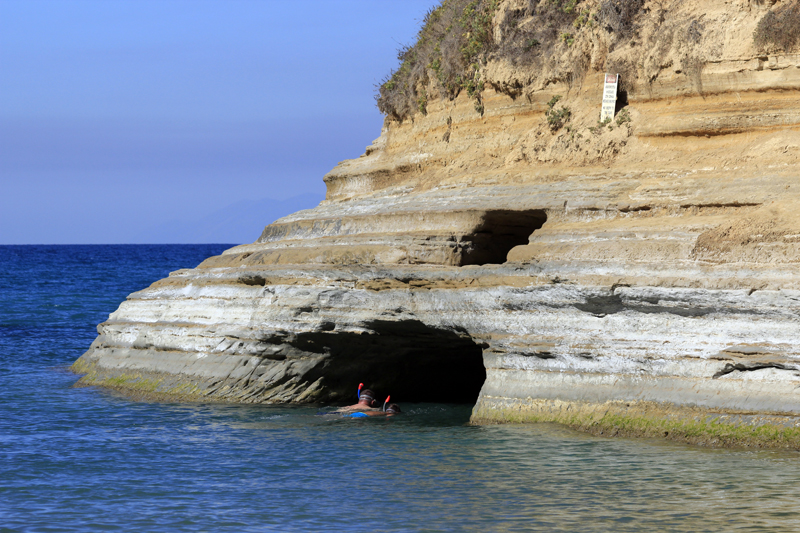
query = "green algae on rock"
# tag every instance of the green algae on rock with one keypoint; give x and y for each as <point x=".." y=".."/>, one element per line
<point x="650" y="420"/>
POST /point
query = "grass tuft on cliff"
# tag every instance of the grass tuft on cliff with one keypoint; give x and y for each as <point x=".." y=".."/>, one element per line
<point x="459" y="37"/>
<point x="779" y="28"/>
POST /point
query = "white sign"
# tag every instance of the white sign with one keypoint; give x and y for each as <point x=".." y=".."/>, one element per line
<point x="609" y="97"/>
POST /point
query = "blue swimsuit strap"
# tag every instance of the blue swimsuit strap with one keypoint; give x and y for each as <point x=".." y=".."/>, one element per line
<point x="358" y="415"/>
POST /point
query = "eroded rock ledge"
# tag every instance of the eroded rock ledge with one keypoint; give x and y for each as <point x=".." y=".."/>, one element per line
<point x="599" y="278"/>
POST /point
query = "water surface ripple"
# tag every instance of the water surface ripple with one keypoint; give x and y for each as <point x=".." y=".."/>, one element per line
<point x="77" y="459"/>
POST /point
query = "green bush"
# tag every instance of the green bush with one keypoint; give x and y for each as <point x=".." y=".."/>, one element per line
<point x="556" y="118"/>
<point x="585" y="18"/>
<point x="623" y="117"/>
<point x="422" y="102"/>
<point x="780" y="27"/>
<point x="600" y="125"/>
<point x="531" y="43"/>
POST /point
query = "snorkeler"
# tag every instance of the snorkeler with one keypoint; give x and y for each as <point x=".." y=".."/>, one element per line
<point x="367" y="406"/>
<point x="391" y="410"/>
<point x="366" y="401"/>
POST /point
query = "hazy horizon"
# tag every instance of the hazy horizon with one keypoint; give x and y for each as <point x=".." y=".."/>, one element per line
<point x="121" y="117"/>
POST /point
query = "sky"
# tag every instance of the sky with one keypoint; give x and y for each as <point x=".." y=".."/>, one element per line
<point x="142" y="121"/>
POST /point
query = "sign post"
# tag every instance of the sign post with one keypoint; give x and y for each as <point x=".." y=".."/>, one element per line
<point x="609" y="97"/>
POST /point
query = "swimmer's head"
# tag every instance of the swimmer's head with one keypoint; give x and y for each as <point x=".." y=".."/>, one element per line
<point x="393" y="408"/>
<point x="367" y="397"/>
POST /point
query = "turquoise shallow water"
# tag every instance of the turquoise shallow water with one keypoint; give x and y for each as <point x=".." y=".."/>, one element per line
<point x="80" y="459"/>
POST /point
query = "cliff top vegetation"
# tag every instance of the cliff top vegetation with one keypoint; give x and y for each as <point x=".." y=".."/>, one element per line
<point x="458" y="38"/>
<point x="553" y="40"/>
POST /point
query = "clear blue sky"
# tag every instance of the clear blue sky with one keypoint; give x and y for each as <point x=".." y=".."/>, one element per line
<point x="117" y="117"/>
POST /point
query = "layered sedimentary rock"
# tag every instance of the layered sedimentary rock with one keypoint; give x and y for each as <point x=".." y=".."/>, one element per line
<point x="643" y="268"/>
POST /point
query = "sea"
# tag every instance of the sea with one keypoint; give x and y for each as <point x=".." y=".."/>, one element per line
<point x="86" y="459"/>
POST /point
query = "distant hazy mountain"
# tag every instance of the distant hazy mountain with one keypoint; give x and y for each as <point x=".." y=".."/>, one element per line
<point x="239" y="223"/>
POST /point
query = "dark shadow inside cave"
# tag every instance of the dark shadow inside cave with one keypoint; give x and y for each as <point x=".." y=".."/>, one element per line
<point x="411" y="361"/>
<point x="622" y="101"/>
<point x="501" y="231"/>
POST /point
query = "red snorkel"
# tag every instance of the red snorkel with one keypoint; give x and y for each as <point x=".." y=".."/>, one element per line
<point x="359" y="390"/>
<point x="385" y="402"/>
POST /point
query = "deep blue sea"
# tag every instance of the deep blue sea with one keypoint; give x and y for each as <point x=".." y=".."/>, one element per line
<point x="83" y="459"/>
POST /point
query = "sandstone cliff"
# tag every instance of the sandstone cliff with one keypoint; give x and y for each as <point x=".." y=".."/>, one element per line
<point x="594" y="274"/>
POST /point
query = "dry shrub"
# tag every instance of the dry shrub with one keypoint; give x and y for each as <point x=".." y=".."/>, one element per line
<point x="619" y="16"/>
<point x="453" y="42"/>
<point x="547" y="23"/>
<point x="674" y="34"/>
<point x="780" y="27"/>
<point x="628" y="76"/>
<point x="694" y="33"/>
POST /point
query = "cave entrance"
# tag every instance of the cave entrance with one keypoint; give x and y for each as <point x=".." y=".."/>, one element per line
<point x="408" y="359"/>
<point x="500" y="231"/>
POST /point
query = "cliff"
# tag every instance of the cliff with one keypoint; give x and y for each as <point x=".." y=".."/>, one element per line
<point x="496" y="244"/>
